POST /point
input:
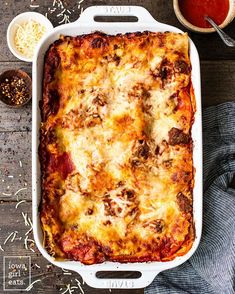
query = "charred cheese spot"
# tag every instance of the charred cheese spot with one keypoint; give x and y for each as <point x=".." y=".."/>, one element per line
<point x="182" y="67"/>
<point x="53" y="103"/>
<point x="142" y="150"/>
<point x="156" y="225"/>
<point x="184" y="203"/>
<point x="177" y="136"/>
<point x="116" y="59"/>
<point x="53" y="62"/>
<point x="89" y="211"/>
<point x="99" y="100"/>
<point x="98" y="43"/>
<point x="121" y="204"/>
<point x="168" y="163"/>
<point x="164" y="72"/>
<point x="51" y="136"/>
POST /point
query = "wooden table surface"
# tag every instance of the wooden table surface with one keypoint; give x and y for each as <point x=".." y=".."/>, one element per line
<point x="218" y="76"/>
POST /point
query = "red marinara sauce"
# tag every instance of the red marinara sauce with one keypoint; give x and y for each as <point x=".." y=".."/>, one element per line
<point x="195" y="10"/>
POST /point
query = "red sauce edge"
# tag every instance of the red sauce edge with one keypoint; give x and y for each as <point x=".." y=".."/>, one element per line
<point x="61" y="163"/>
<point x="194" y="11"/>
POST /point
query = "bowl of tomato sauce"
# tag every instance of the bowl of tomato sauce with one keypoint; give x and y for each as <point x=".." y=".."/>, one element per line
<point x="191" y="13"/>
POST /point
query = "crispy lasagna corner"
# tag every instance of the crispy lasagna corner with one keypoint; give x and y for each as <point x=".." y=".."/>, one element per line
<point x="116" y="148"/>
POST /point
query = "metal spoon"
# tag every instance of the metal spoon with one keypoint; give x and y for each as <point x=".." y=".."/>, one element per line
<point x="226" y="39"/>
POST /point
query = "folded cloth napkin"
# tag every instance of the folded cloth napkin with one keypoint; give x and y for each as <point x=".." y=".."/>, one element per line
<point x="212" y="267"/>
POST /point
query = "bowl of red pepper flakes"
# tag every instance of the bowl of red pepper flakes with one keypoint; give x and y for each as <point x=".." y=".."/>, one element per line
<point x="15" y="88"/>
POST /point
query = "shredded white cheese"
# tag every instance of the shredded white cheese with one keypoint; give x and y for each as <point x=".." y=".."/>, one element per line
<point x="26" y="242"/>
<point x="27" y="36"/>
<point x="31" y="285"/>
<point x="67" y="290"/>
<point x="9" y="236"/>
<point x="79" y="285"/>
<point x="30" y="222"/>
<point x="25" y="215"/>
<point x="20" y="190"/>
<point x="14" y="236"/>
<point x="18" y="203"/>
<point x="28" y="231"/>
<point x="34" y="6"/>
<point x="6" y="194"/>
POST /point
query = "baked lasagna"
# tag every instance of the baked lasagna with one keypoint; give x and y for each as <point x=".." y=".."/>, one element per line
<point x="116" y="148"/>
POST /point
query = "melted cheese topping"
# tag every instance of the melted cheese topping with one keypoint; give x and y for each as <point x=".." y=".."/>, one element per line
<point x="118" y="168"/>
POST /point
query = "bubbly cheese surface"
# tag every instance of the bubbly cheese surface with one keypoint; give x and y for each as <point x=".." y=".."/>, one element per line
<point x="116" y="148"/>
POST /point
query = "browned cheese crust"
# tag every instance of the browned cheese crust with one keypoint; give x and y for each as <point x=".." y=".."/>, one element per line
<point x="116" y="148"/>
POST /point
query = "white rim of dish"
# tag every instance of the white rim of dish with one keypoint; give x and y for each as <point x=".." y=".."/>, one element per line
<point x="86" y="25"/>
<point x="229" y="18"/>
<point x="30" y="14"/>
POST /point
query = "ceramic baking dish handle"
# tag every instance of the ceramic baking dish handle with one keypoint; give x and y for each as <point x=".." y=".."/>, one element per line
<point x="146" y="279"/>
<point x="141" y="13"/>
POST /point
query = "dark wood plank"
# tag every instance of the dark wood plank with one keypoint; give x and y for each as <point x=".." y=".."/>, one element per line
<point x="13" y="120"/>
<point x="52" y="278"/>
<point x="15" y="171"/>
<point x="209" y="45"/>
<point x="217" y="82"/>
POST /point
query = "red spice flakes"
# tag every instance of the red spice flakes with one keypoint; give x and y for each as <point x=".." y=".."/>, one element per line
<point x="15" y="90"/>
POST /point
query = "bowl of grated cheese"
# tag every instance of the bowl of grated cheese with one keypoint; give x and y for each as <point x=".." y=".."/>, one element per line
<point x="24" y="33"/>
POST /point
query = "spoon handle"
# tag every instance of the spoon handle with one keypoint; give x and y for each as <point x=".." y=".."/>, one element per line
<point x="226" y="39"/>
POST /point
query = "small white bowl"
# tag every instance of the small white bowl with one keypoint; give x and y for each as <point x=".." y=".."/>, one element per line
<point x="20" y="19"/>
<point x="188" y="25"/>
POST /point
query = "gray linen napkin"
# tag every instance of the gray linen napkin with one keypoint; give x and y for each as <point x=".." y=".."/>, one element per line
<point x="212" y="268"/>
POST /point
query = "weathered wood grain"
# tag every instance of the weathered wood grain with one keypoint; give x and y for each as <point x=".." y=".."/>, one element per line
<point x="12" y="119"/>
<point x="210" y="46"/>
<point x="15" y="165"/>
<point x="217" y="82"/>
<point x="52" y="277"/>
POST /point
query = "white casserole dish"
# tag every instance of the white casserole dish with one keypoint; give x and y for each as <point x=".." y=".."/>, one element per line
<point x="86" y="24"/>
